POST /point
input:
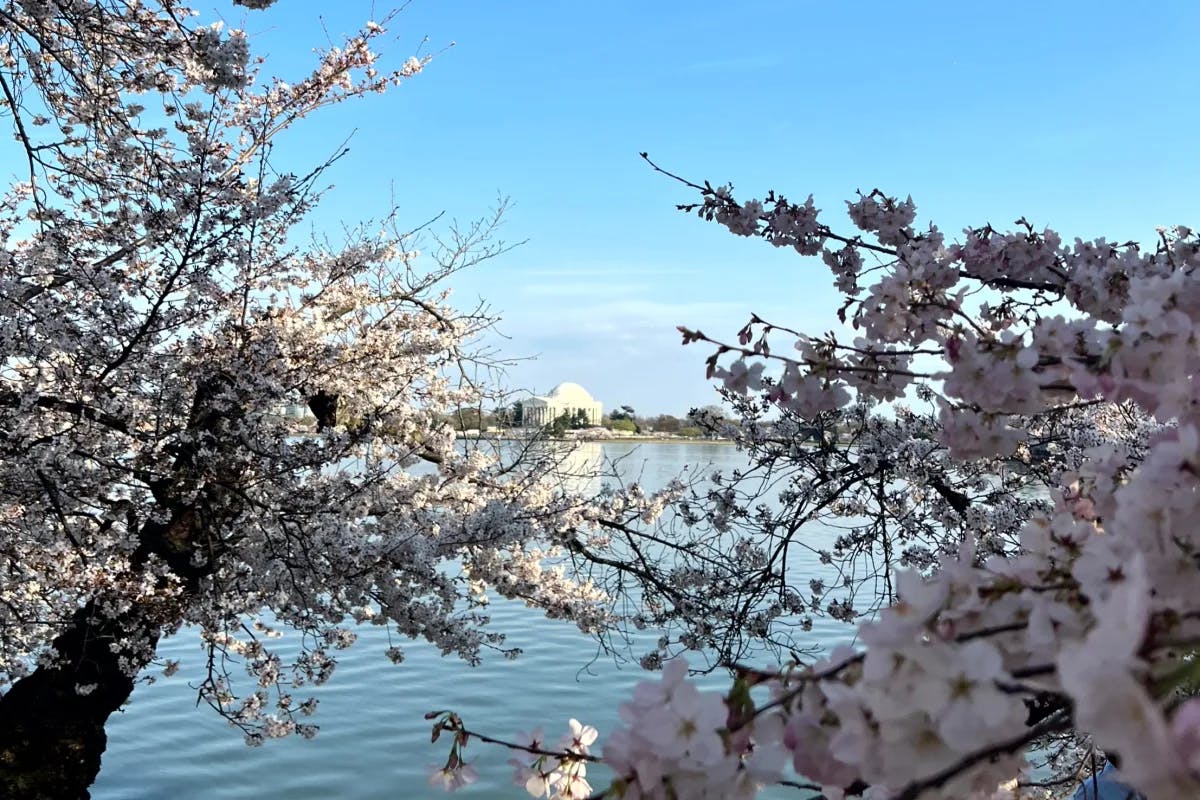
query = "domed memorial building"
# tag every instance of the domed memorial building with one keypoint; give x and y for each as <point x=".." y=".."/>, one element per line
<point x="566" y="398"/>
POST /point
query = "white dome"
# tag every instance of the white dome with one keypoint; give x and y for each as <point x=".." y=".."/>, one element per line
<point x="571" y="394"/>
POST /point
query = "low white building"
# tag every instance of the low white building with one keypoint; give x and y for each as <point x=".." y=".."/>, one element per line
<point x="294" y="413"/>
<point x="566" y="398"/>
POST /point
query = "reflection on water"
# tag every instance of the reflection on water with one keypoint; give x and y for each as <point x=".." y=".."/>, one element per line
<point x="374" y="742"/>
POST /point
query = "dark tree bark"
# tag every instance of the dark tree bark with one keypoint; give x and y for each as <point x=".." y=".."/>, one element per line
<point x="323" y="405"/>
<point x="52" y="736"/>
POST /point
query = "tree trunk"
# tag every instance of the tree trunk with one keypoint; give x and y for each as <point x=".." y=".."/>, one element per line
<point x="51" y="735"/>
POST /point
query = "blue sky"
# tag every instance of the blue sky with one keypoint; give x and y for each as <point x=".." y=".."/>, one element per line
<point x="1081" y="116"/>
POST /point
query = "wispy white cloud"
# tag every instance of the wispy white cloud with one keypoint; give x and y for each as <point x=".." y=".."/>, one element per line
<point x="601" y="271"/>
<point x="583" y="289"/>
<point x="621" y="317"/>
<point x="623" y="349"/>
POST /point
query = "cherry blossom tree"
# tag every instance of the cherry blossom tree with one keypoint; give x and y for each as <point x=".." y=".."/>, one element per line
<point x="159" y="313"/>
<point x="1035" y="564"/>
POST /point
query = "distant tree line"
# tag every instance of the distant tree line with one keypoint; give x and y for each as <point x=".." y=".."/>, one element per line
<point x="701" y="422"/>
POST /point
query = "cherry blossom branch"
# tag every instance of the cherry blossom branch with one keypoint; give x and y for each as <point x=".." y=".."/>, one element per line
<point x="452" y="723"/>
<point x="824" y="232"/>
<point x="10" y="399"/>
<point x="690" y="336"/>
<point x="1058" y="722"/>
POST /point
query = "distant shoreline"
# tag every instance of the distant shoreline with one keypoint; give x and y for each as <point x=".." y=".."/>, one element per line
<point x="601" y="439"/>
<point x="651" y="439"/>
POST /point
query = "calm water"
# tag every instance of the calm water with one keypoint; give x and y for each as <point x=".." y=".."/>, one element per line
<point x="374" y="742"/>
